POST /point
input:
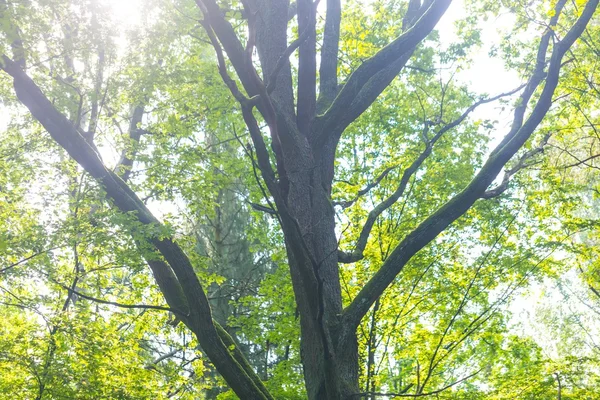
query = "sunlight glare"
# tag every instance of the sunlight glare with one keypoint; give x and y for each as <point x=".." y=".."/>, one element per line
<point x="126" y="12"/>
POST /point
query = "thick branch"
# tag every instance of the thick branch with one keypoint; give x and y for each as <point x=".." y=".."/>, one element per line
<point x="274" y="53"/>
<point x="391" y="58"/>
<point x="462" y="202"/>
<point x="536" y="77"/>
<point x="521" y="164"/>
<point x="268" y="112"/>
<point x="367" y="95"/>
<point x="357" y="253"/>
<point x="13" y="34"/>
<point x="199" y="319"/>
<point x="277" y="188"/>
<point x="329" y="55"/>
<point x="96" y="97"/>
<point x="307" y="66"/>
<point x="231" y="43"/>
<point x="595" y="291"/>
<point x="271" y="44"/>
<point x="285" y="59"/>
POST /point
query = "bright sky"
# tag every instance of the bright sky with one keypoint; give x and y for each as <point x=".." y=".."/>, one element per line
<point x="486" y="74"/>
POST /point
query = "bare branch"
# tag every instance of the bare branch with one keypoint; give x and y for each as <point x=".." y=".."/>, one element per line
<point x="163" y="357"/>
<point x="24" y="260"/>
<point x="121" y="305"/>
<point x="260" y="207"/>
<point x="432" y="362"/>
<point x="366" y="189"/>
<point x="584" y="161"/>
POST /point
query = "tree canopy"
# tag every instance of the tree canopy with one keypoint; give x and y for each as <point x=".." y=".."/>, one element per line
<point x="267" y="199"/>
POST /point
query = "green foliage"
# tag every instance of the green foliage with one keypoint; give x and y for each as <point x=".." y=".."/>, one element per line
<point x="444" y="323"/>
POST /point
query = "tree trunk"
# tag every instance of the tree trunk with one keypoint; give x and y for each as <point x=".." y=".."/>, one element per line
<point x="330" y="364"/>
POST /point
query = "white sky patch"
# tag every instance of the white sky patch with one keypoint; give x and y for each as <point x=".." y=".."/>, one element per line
<point x="4" y="118"/>
<point x="486" y="74"/>
<point x="563" y="302"/>
<point x="127" y="12"/>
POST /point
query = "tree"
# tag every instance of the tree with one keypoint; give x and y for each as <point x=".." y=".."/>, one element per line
<point x="305" y="115"/>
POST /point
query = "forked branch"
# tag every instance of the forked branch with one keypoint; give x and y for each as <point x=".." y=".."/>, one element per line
<point x="432" y="226"/>
<point x="524" y="162"/>
<point x="391" y="59"/>
<point x="357" y="253"/>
